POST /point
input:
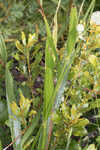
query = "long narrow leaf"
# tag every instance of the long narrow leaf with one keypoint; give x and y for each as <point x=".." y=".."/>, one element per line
<point x="43" y="141"/>
<point x="51" y="42"/>
<point x="36" y="138"/>
<point x="50" y="61"/>
<point x="48" y="91"/>
<point x="15" y="125"/>
<point x="55" y="26"/>
<point x="49" y="85"/>
<point x="3" y="51"/>
<point x="59" y="89"/>
<point x="54" y="95"/>
<point x="30" y="129"/>
<point x="72" y="31"/>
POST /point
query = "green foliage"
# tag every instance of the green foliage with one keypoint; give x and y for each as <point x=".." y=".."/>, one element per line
<point x="29" y="131"/>
<point x="69" y="118"/>
<point x="51" y="93"/>
<point x="16" y="12"/>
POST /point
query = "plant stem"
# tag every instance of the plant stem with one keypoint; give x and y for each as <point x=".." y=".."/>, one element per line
<point x="29" y="72"/>
<point x="49" y="134"/>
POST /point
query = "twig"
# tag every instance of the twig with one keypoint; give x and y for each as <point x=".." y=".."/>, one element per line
<point x="41" y="8"/>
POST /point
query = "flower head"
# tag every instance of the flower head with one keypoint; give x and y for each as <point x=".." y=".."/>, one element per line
<point x="80" y="28"/>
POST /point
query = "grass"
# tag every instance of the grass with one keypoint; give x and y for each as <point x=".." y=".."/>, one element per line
<point x="56" y="124"/>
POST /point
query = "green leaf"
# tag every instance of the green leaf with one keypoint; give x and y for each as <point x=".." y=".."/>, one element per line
<point x="79" y="131"/>
<point x="9" y="86"/>
<point x="52" y="95"/>
<point x="55" y="26"/>
<point x="56" y="118"/>
<point x="91" y="147"/>
<point x="23" y="37"/>
<point x="82" y="122"/>
<point x="48" y="89"/>
<point x="65" y="111"/>
<point x="56" y="95"/>
<point x="30" y="130"/>
<point x="72" y="31"/>
<point x="73" y="111"/>
<point x="51" y="42"/>
<point x="43" y="136"/>
<point x="59" y="89"/>
<point x="15" y="125"/>
<point x="49" y="70"/>
<point x="3" y="51"/>
<point x="36" y="138"/>
<point x="27" y="145"/>
<point x="19" y="46"/>
<point x="50" y="62"/>
<point x="66" y="64"/>
<point x="24" y="104"/>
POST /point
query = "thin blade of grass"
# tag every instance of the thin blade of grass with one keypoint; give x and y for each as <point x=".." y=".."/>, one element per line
<point x="81" y="8"/>
<point x="91" y="6"/>
<point x="36" y="138"/>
